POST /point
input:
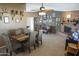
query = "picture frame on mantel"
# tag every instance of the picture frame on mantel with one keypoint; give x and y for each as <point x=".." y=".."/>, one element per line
<point x="6" y="19"/>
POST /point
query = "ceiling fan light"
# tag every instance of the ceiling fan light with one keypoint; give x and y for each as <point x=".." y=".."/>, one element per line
<point x="42" y="13"/>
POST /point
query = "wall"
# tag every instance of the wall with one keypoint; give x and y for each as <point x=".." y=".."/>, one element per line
<point x="12" y="24"/>
<point x="19" y="6"/>
<point x="74" y="14"/>
<point x="30" y="19"/>
<point x="31" y="14"/>
<point x="30" y="23"/>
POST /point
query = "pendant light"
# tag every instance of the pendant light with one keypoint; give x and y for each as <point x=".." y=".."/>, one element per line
<point x="42" y="10"/>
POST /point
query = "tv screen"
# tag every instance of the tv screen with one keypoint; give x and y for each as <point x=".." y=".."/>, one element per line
<point x="78" y="31"/>
<point x="75" y="36"/>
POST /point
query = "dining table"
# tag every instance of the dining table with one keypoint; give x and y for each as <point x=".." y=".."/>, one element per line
<point x="22" y="38"/>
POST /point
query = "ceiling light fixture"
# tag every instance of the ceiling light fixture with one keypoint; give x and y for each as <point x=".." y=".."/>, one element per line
<point x="68" y="16"/>
<point x="42" y="13"/>
<point x="42" y="10"/>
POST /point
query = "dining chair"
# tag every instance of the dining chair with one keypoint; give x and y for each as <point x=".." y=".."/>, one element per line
<point x="3" y="49"/>
<point x="15" y="44"/>
<point x="39" y="38"/>
<point x="9" y="45"/>
<point x="31" y="42"/>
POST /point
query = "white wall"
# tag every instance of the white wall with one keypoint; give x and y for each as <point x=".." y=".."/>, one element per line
<point x="12" y="24"/>
<point x="30" y="19"/>
<point x="30" y="22"/>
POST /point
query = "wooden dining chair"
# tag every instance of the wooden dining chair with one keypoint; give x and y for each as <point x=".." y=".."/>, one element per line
<point x="15" y="44"/>
<point x="9" y="45"/>
<point x="31" y="42"/>
<point x="3" y="49"/>
<point x="39" y="38"/>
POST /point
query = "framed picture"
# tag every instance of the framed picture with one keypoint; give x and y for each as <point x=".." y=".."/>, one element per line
<point x="6" y="19"/>
<point x="17" y="20"/>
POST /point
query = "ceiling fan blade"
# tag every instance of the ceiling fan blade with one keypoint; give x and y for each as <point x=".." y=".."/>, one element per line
<point x="48" y="9"/>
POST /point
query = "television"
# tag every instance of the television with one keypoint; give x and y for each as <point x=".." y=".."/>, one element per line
<point x="78" y="30"/>
<point x="75" y="36"/>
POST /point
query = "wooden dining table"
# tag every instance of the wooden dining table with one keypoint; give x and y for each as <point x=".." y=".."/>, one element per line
<point x="21" y="37"/>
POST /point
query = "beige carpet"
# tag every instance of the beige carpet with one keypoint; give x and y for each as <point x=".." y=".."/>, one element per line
<point x="53" y="45"/>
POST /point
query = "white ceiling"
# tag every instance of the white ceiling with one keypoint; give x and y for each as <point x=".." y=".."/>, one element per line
<point x="33" y="7"/>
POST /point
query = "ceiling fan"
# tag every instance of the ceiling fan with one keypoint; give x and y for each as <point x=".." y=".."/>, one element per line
<point x="44" y="10"/>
